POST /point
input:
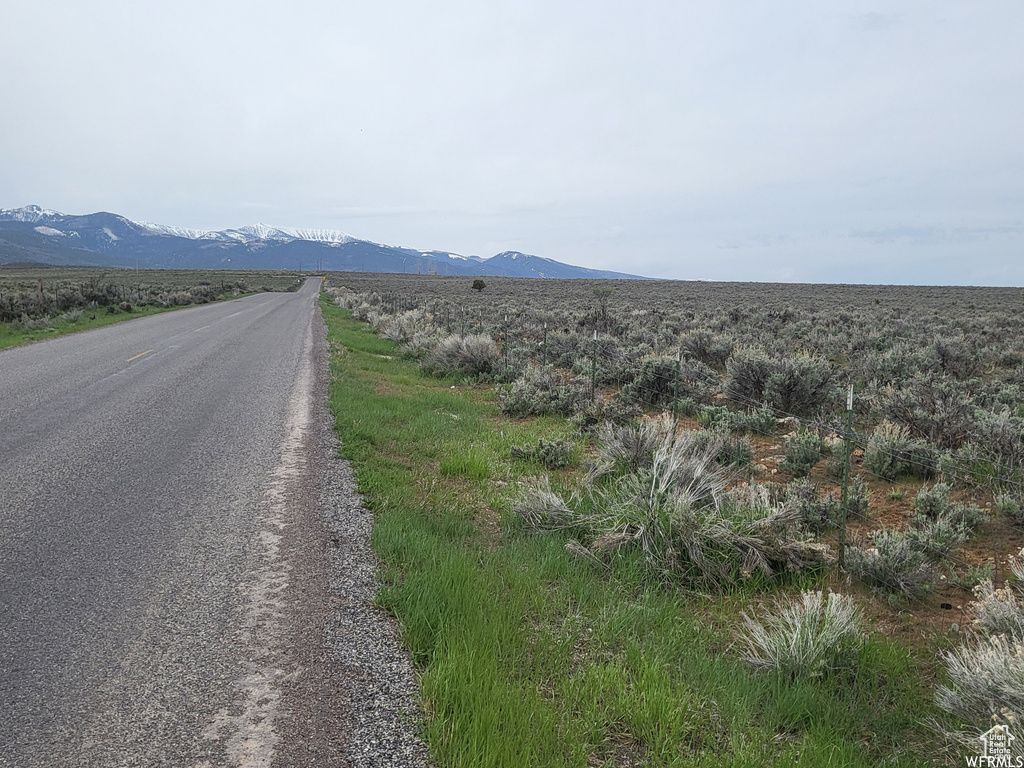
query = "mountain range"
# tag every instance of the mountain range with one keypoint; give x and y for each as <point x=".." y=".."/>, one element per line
<point x="37" y="235"/>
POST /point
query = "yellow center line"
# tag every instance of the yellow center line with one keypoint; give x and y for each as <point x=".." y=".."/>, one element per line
<point x="139" y="355"/>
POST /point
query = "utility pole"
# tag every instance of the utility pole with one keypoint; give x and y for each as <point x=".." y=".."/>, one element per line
<point x="846" y="478"/>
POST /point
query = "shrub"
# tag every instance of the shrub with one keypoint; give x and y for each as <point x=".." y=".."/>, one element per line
<point x="934" y="504"/>
<point x="541" y="508"/>
<point x="551" y="454"/>
<point x="402" y="327"/>
<point x="729" y="450"/>
<point x="1009" y="505"/>
<point x="665" y="498"/>
<point x="998" y="611"/>
<point x="612" y="410"/>
<point x="807" y="637"/>
<point x="800" y="385"/>
<point x="538" y="391"/>
<point x="803" y="451"/>
<point x="818" y="513"/>
<point x="748" y="371"/>
<point x="986" y="676"/>
<point x="894" y="563"/>
<point x="676" y="514"/>
<point x="937" y="536"/>
<point x="472" y="356"/>
<point x="631" y="447"/>
<point x="891" y="453"/>
<point x="1001" y="611"/>
<point x="986" y="686"/>
<point x="654" y="383"/>
<point x="758" y="422"/>
<point x="938" y="410"/>
<point x="709" y="349"/>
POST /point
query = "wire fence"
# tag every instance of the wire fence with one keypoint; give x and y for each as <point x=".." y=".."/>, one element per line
<point x="597" y="363"/>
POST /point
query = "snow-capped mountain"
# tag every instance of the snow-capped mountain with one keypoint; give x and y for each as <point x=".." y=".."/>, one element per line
<point x="40" y="235"/>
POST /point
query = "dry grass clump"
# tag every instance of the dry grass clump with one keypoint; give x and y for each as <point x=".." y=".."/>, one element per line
<point x="805" y="637"/>
<point x="664" y="496"/>
<point x="1001" y="611"/>
<point x="986" y="675"/>
<point x="471" y="356"/>
<point x="986" y="686"/>
<point x="541" y="508"/>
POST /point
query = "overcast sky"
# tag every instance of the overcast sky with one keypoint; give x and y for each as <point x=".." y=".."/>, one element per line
<point x="792" y="141"/>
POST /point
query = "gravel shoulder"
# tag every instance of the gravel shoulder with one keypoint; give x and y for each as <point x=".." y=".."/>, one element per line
<point x="350" y="697"/>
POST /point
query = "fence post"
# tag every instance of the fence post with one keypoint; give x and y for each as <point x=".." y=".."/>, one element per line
<point x="544" y="348"/>
<point x="593" y="370"/>
<point x="675" y="393"/>
<point x="846" y="478"/>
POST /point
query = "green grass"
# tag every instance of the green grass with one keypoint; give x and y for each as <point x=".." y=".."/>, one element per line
<point x="13" y="335"/>
<point x="530" y="657"/>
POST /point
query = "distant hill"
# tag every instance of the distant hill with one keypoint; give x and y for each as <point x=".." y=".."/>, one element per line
<point x="34" y="234"/>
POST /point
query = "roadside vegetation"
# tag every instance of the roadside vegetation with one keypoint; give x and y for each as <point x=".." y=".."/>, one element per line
<point x="634" y="563"/>
<point x="41" y="302"/>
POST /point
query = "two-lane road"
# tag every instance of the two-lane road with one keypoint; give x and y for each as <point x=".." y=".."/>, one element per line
<point x="144" y="469"/>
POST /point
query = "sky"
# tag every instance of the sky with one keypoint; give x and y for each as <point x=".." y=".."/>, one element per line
<point x="862" y="142"/>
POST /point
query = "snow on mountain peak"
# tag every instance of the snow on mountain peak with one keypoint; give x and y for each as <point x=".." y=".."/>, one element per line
<point x="164" y="229"/>
<point x="319" y="235"/>
<point x="29" y="213"/>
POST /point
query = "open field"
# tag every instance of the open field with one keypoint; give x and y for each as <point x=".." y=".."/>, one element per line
<point x="38" y="302"/>
<point x="753" y="378"/>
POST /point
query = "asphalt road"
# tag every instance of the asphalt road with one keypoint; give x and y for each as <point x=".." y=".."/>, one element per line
<point x="144" y="469"/>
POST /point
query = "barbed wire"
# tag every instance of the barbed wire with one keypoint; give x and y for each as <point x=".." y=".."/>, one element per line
<point x="658" y="394"/>
<point x="957" y="473"/>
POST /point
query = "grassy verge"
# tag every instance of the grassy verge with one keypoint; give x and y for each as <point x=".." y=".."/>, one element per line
<point x="530" y="657"/>
<point x="13" y="335"/>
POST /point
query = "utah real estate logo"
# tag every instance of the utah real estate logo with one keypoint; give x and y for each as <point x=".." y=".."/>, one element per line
<point x="995" y="750"/>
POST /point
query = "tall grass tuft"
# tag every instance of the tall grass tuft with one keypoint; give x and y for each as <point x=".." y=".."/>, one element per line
<point x="806" y="637"/>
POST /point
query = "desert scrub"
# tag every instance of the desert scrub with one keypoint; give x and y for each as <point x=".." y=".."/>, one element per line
<point x="1001" y="611"/>
<point x="730" y="450"/>
<point x="659" y="380"/>
<point x="819" y="512"/>
<point x="1009" y="505"/>
<point x="803" y="450"/>
<point x="985" y="686"/>
<point x="550" y="454"/>
<point x="891" y="453"/>
<point x="612" y="410"/>
<point x="934" y="510"/>
<point x="473" y="356"/>
<point x="663" y="496"/>
<point x="541" y="390"/>
<point x="531" y="654"/>
<point x="892" y="562"/>
<point x="759" y="421"/>
<point x="806" y="637"/>
<point x="986" y="675"/>
<point x="799" y="385"/>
